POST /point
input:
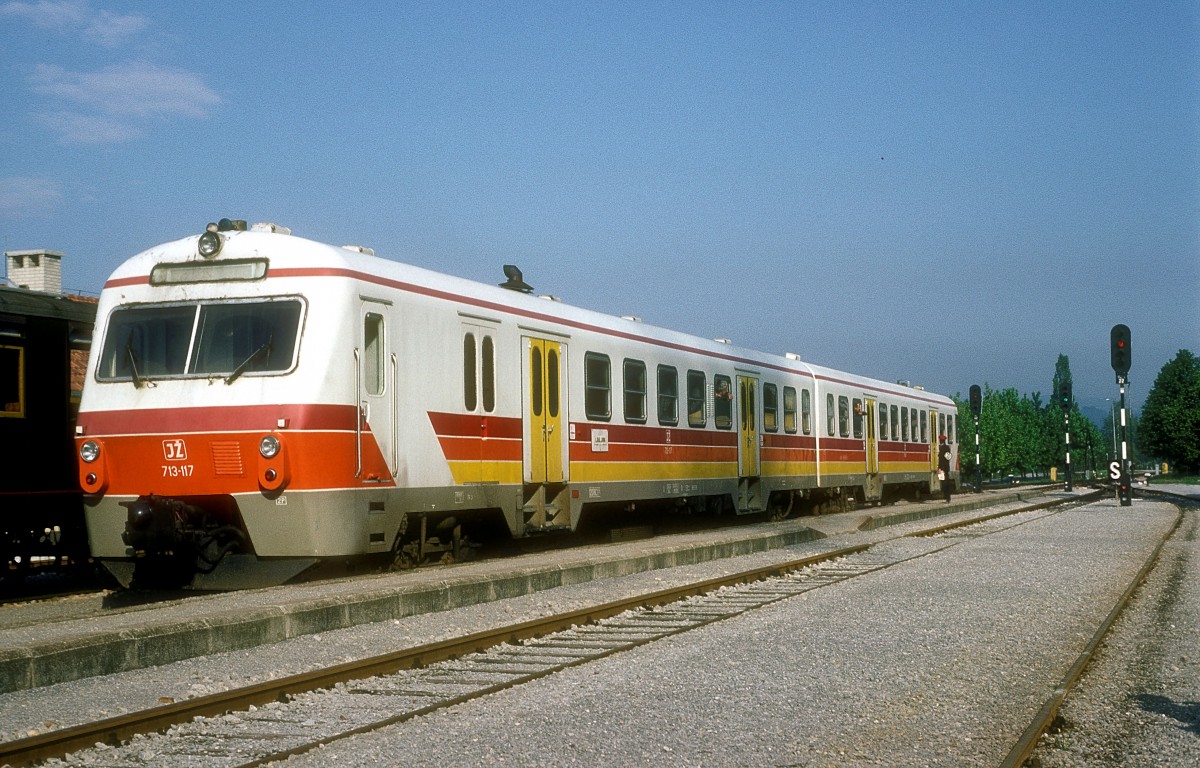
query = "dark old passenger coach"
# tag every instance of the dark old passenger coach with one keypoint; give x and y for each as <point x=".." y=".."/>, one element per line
<point x="41" y="334"/>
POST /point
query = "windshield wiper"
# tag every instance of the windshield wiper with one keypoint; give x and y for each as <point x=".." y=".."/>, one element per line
<point x="266" y="347"/>
<point x="133" y="363"/>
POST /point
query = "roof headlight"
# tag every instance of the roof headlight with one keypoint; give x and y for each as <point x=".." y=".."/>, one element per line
<point x="89" y="451"/>
<point x="209" y="244"/>
<point x="269" y="446"/>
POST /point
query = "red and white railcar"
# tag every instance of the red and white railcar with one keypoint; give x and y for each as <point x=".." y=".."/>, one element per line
<point x="258" y="404"/>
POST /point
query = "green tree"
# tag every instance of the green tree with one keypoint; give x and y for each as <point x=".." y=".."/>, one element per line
<point x="1170" y="423"/>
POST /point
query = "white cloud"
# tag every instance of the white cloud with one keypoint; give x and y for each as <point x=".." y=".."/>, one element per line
<point x="107" y="28"/>
<point x="109" y="105"/>
<point x="111" y="29"/>
<point x="22" y="196"/>
<point x="137" y="89"/>
<point x="48" y="15"/>
<point x="76" y="128"/>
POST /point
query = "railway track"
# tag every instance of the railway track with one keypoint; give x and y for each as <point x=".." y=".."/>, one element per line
<point x="268" y="722"/>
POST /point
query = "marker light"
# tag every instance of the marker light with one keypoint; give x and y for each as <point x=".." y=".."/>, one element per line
<point x="89" y="451"/>
<point x="269" y="446"/>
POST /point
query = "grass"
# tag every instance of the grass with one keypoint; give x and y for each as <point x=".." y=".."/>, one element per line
<point x="1175" y="480"/>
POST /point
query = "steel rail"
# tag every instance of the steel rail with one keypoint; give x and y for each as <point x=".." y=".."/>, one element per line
<point x="1025" y="745"/>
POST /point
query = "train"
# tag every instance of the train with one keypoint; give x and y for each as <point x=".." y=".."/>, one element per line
<point x="261" y="407"/>
<point x="43" y="337"/>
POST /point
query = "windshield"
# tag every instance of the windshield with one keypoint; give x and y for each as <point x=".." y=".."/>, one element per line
<point x="227" y="339"/>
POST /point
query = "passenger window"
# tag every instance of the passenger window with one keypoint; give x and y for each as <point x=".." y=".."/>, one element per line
<point x="597" y="384"/>
<point x="723" y="402"/>
<point x="830" y="416"/>
<point x="668" y="395"/>
<point x="12" y="382"/>
<point x="695" y="399"/>
<point x="951" y="429"/>
<point x="904" y="423"/>
<point x="895" y="423"/>
<point x="942" y="425"/>
<point x="374" y="371"/>
<point x="489" y="375"/>
<point x="551" y="383"/>
<point x="770" y="408"/>
<point x="844" y="416"/>
<point x="635" y="391"/>
<point x="470" y="394"/>
<point x="858" y="418"/>
<point x="883" y="421"/>
<point x="924" y="427"/>
<point x="535" y="379"/>
<point x="789" y="409"/>
<point x="912" y="415"/>
<point x="806" y="411"/>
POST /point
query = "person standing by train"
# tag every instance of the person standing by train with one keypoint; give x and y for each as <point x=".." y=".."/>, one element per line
<point x="944" y="467"/>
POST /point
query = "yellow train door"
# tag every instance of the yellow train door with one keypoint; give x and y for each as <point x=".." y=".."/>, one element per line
<point x="748" y="426"/>
<point x="872" y="441"/>
<point x="545" y="437"/>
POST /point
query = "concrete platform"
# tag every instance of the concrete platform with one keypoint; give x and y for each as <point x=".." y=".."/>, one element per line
<point x="36" y="653"/>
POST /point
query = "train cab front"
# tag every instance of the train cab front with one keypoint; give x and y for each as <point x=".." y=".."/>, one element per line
<point x="170" y="512"/>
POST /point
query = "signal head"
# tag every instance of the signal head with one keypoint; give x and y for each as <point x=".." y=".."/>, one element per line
<point x="1122" y="353"/>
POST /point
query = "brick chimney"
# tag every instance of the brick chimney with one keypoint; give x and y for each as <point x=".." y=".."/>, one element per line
<point x="38" y="270"/>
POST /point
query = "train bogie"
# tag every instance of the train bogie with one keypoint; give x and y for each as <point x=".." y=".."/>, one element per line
<point x="266" y="400"/>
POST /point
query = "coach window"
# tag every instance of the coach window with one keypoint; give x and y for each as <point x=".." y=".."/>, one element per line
<point x="942" y="425"/>
<point x="830" y="416"/>
<point x="883" y="421"/>
<point x="597" y="383"/>
<point x="489" y="375"/>
<point x="912" y="414"/>
<point x="951" y="433"/>
<point x="722" y="401"/>
<point x="374" y="371"/>
<point x="770" y="408"/>
<point x="895" y="423"/>
<point x="635" y="391"/>
<point x="806" y="411"/>
<point x="668" y="396"/>
<point x="844" y="416"/>
<point x="924" y="427"/>
<point x="12" y="382"/>
<point x="695" y="399"/>
<point x="904" y="423"/>
<point x="470" y="392"/>
<point x="858" y="418"/>
<point x="789" y="409"/>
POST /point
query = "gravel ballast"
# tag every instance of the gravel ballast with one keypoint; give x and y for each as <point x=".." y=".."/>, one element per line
<point x="940" y="661"/>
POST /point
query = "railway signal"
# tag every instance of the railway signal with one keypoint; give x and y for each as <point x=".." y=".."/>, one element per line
<point x="1122" y="352"/>
<point x="976" y="399"/>
<point x="1064" y="395"/>
<point x="1122" y="356"/>
<point x="1064" y="401"/>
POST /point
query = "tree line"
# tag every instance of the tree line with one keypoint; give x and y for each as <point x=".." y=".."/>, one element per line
<point x="1021" y="435"/>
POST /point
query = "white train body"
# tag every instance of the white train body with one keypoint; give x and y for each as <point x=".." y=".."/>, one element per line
<point x="279" y="402"/>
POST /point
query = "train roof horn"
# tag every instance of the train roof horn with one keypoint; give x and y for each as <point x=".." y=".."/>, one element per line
<point x="514" y="281"/>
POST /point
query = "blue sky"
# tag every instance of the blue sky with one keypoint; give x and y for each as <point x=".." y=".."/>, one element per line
<point x="948" y="193"/>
